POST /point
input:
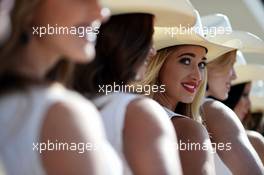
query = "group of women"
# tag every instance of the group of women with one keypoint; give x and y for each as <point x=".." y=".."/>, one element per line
<point x="50" y="90"/>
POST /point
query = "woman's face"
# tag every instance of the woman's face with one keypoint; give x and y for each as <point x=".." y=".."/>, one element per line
<point x="182" y="73"/>
<point x="67" y="22"/>
<point x="243" y="106"/>
<point x="219" y="82"/>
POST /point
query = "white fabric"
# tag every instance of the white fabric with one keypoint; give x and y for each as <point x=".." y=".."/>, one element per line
<point x="220" y="167"/>
<point x="172" y="114"/>
<point x="113" y="110"/>
<point x="21" y="118"/>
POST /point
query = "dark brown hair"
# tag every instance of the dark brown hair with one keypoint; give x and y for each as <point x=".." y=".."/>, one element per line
<point x="122" y="47"/>
<point x="235" y="95"/>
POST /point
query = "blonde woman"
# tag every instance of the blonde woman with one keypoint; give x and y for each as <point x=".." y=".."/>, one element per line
<point x="180" y="66"/>
<point x="220" y="120"/>
<point x="37" y="116"/>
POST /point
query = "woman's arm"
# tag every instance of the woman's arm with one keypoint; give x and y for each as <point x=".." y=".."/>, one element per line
<point x="225" y="128"/>
<point x="195" y="147"/>
<point x="149" y="140"/>
<point x="71" y="124"/>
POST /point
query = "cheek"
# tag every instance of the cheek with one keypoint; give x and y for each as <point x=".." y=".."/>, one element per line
<point x="170" y="79"/>
<point x="244" y="104"/>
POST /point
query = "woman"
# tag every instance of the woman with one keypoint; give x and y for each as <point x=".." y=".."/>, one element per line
<point x="36" y="115"/>
<point x="216" y="114"/>
<point x="238" y="98"/>
<point x="136" y="126"/>
<point x="180" y="65"/>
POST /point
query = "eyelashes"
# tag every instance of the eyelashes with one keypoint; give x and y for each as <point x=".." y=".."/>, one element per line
<point x="202" y="65"/>
<point x="187" y="61"/>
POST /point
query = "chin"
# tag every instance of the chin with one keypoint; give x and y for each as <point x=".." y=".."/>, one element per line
<point x="187" y="100"/>
<point x="83" y="56"/>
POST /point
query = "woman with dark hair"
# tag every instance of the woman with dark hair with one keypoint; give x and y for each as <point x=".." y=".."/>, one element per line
<point x="136" y="126"/>
<point x="44" y="128"/>
<point x="238" y="100"/>
<point x="142" y="140"/>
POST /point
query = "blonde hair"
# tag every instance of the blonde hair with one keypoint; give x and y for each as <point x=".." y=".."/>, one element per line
<point x="154" y="66"/>
<point x="223" y="63"/>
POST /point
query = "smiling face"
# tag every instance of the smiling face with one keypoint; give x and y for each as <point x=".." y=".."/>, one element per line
<point x="182" y="73"/>
<point x="243" y="106"/>
<point x="220" y="74"/>
<point x="68" y="14"/>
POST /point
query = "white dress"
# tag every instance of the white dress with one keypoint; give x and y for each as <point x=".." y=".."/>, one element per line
<point x="113" y="110"/>
<point x="21" y="118"/>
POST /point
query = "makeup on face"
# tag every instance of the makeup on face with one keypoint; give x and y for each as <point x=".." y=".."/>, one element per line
<point x="183" y="72"/>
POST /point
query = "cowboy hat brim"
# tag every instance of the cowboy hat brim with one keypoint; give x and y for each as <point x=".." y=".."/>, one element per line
<point x="240" y="40"/>
<point x="163" y="38"/>
<point x="248" y="72"/>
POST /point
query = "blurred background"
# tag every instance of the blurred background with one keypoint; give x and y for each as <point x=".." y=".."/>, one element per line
<point x="247" y="15"/>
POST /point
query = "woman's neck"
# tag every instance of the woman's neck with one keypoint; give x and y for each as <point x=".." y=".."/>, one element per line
<point x="165" y="101"/>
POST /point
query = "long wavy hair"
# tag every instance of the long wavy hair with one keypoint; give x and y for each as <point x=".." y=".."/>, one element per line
<point x="191" y="110"/>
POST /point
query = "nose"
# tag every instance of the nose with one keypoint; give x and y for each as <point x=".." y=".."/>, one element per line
<point x="105" y="14"/>
<point x="248" y="103"/>
<point x="196" y="73"/>
<point x="233" y="74"/>
<point x="98" y="14"/>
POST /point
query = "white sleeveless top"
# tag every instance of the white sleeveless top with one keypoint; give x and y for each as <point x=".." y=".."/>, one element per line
<point x="113" y="110"/>
<point x="220" y="167"/>
<point x="21" y="118"/>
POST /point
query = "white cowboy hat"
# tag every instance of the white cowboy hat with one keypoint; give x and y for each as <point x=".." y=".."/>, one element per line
<point x="257" y="96"/>
<point x="167" y="12"/>
<point x="172" y="36"/>
<point x="247" y="72"/>
<point x="219" y="30"/>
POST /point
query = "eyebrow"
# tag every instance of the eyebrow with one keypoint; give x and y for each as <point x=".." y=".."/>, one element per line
<point x="192" y="55"/>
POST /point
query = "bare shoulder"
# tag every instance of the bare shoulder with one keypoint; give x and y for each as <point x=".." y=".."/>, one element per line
<point x="218" y="116"/>
<point x="74" y="114"/>
<point x="187" y="127"/>
<point x="68" y="123"/>
<point x="148" y="112"/>
<point x="255" y="137"/>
